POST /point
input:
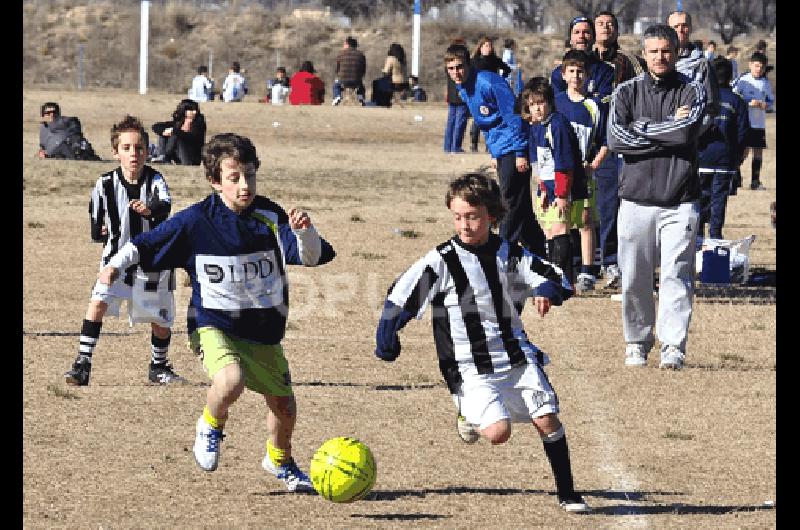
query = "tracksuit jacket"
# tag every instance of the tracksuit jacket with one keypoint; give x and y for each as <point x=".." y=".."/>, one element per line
<point x="659" y="151"/>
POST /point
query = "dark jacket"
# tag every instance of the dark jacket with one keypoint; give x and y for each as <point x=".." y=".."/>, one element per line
<point x="626" y="66"/>
<point x="722" y="146"/>
<point x="693" y="64"/>
<point x="351" y="65"/>
<point x="492" y="63"/>
<point x="660" y="152"/>
<point x="183" y="147"/>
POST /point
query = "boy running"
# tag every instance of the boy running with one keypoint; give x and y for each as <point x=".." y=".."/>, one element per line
<point x="476" y="283"/>
<point x="125" y="202"/>
<point x="235" y="246"/>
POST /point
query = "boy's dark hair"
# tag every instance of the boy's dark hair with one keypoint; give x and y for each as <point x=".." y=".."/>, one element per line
<point x="183" y="106"/>
<point x="732" y="49"/>
<point x="712" y="42"/>
<point x="281" y="69"/>
<point x="50" y="105"/>
<point x="574" y="58"/>
<point x="457" y="51"/>
<point x="202" y="69"/>
<point x="128" y="124"/>
<point x="724" y="70"/>
<point x="608" y="14"/>
<point x="759" y="57"/>
<point x="236" y="67"/>
<point x="508" y="43"/>
<point x="351" y="42"/>
<point x="307" y="66"/>
<point x="227" y="145"/>
<point x="477" y="189"/>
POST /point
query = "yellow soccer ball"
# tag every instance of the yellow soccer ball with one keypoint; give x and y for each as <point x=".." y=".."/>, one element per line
<point x="343" y="470"/>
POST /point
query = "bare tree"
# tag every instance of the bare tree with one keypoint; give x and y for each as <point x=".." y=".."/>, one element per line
<point x="735" y="17"/>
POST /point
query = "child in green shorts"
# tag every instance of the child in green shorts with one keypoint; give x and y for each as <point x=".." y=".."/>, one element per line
<point x="235" y="246"/>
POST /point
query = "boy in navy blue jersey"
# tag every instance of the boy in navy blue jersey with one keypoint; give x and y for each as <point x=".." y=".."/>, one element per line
<point x="562" y="189"/>
<point x="721" y="152"/>
<point x="235" y="246"/>
<point x="491" y="103"/>
<point x="588" y="118"/>
<point x="476" y="283"/>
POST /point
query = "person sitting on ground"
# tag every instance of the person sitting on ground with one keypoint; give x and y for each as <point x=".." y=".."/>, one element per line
<point x="395" y="67"/>
<point x="62" y="136"/>
<point x="181" y="139"/>
<point x="351" y="65"/>
<point x="278" y="87"/>
<point x="202" y="87"/>
<point x="306" y="87"/>
<point x="234" y="88"/>
<point x="417" y="92"/>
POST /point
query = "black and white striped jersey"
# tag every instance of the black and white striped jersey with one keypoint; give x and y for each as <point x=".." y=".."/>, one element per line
<point x="108" y="207"/>
<point x="476" y="295"/>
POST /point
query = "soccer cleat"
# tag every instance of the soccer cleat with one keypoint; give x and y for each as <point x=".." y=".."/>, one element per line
<point x="636" y="354"/>
<point x="163" y="374"/>
<point x="613" y="276"/>
<point x="289" y="473"/>
<point x="585" y="282"/>
<point x="574" y="504"/>
<point x="81" y="370"/>
<point x="671" y="358"/>
<point x="466" y="431"/>
<point x="206" y="445"/>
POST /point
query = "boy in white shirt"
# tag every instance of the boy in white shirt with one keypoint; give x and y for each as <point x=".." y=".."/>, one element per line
<point x="202" y="87"/>
<point x="755" y="89"/>
<point x="234" y="87"/>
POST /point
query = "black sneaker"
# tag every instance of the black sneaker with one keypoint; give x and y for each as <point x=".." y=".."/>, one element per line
<point x="79" y="375"/>
<point x="163" y="374"/>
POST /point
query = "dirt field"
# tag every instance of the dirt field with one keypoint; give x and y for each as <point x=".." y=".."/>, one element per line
<point x="650" y="449"/>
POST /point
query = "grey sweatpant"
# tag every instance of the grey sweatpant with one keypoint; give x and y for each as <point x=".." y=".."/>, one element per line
<point x="649" y="237"/>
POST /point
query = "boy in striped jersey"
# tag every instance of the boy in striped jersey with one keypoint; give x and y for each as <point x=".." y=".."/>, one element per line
<point x="131" y="199"/>
<point x="588" y="118"/>
<point x="235" y="246"/>
<point x="476" y="283"/>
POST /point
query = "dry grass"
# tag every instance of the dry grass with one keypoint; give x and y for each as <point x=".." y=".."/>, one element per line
<point x="650" y="449"/>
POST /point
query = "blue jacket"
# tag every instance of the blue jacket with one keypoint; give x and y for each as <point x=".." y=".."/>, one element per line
<point x="722" y="147"/>
<point x="491" y="103"/>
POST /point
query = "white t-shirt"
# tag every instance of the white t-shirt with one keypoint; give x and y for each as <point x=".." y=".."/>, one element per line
<point x="201" y="88"/>
<point x="234" y="87"/>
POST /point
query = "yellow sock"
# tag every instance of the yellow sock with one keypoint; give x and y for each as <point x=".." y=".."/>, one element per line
<point x="211" y="420"/>
<point x="277" y="456"/>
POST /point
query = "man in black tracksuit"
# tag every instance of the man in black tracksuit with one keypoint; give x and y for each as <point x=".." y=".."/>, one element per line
<point x="654" y="122"/>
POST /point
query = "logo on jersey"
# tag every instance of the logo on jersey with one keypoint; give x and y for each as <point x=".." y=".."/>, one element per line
<point x="484" y="110"/>
<point x="249" y="281"/>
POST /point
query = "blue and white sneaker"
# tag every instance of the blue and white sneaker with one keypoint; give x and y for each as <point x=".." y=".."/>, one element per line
<point x="289" y="473"/>
<point x="206" y="445"/>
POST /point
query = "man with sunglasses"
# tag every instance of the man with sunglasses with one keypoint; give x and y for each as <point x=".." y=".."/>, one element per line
<point x="62" y="136"/>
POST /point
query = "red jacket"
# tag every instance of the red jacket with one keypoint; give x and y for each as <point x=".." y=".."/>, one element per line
<point x="307" y="89"/>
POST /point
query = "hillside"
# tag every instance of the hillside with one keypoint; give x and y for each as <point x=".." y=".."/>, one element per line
<point x="181" y="38"/>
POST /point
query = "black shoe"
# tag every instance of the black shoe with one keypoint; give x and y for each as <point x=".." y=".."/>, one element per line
<point x="757" y="186"/>
<point x="79" y="375"/>
<point x="163" y="374"/>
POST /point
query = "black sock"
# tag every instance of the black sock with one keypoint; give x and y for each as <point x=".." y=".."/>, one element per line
<point x="159" y="348"/>
<point x="756" y="171"/>
<point x="90" y="332"/>
<point x="558" y="454"/>
<point x="562" y="255"/>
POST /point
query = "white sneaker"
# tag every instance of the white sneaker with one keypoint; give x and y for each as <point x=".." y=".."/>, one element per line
<point x="613" y="276"/>
<point x="467" y="431"/>
<point x="206" y="445"/>
<point x="289" y="473"/>
<point x="575" y="505"/>
<point x="671" y="358"/>
<point x="636" y="354"/>
<point x="336" y="100"/>
<point x="585" y="282"/>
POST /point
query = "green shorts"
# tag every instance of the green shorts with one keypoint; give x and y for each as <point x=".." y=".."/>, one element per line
<point x="574" y="215"/>
<point x="265" y="369"/>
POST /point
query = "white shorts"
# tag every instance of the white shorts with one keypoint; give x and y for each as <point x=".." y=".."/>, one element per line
<point x="519" y="395"/>
<point x="144" y="306"/>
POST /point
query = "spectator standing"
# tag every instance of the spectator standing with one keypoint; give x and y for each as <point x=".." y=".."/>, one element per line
<point x="202" y="88"/>
<point x="181" y="139"/>
<point x="733" y="56"/>
<point x="655" y="121"/>
<point x="722" y="150"/>
<point x="599" y="76"/>
<point x="755" y="89"/>
<point x="606" y="177"/>
<point x="457" y="110"/>
<point x="509" y="57"/>
<point x="395" y="68"/>
<point x="234" y="88"/>
<point x="306" y="87"/>
<point x="418" y="93"/>
<point x="485" y="58"/>
<point x="692" y="63"/>
<point x="491" y="104"/>
<point x="351" y="65"/>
